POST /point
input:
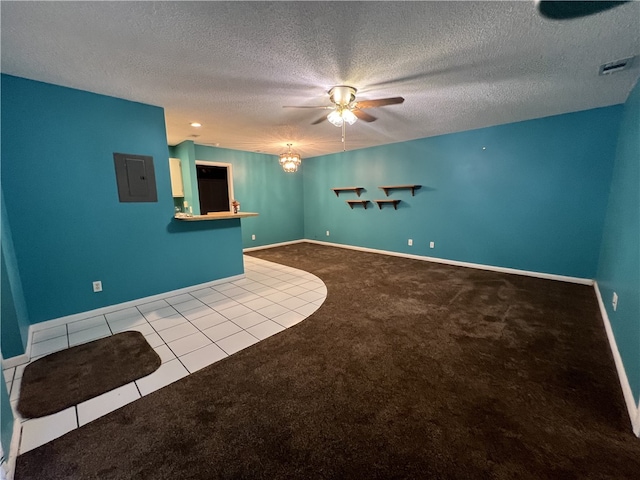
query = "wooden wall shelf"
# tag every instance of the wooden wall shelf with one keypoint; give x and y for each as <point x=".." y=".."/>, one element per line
<point x="358" y="202"/>
<point x="347" y="189"/>
<point x="413" y="188"/>
<point x="391" y="202"/>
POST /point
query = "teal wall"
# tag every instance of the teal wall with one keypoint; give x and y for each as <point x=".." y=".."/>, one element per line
<point x="14" y="319"/>
<point x="260" y="185"/>
<point x="530" y="195"/>
<point x="185" y="151"/>
<point x="67" y="224"/>
<point x="6" y="420"/>
<point x="619" y="269"/>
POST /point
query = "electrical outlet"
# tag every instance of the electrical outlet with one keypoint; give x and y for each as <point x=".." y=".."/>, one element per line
<point x="97" y="286"/>
<point x="614" y="302"/>
<point x="410" y="242"/>
<point x="253" y="237"/>
<point x="327" y="233"/>
<point x="432" y="244"/>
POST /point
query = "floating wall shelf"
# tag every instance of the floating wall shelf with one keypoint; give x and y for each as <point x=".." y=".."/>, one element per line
<point x="347" y="189"/>
<point x="391" y="202"/>
<point x="413" y="188"/>
<point x="358" y="202"/>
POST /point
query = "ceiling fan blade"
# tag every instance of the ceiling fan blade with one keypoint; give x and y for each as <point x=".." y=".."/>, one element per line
<point x="320" y="120"/>
<point x="310" y="106"/>
<point x="380" y="102"/>
<point x="559" y="10"/>
<point x="363" y="115"/>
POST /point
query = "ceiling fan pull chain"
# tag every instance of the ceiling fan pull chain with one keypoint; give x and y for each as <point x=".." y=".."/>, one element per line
<point x="344" y="137"/>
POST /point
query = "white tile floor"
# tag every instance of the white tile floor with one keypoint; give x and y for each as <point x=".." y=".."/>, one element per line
<point x="189" y="331"/>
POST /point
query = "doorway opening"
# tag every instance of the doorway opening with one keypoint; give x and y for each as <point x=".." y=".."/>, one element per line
<point x="215" y="186"/>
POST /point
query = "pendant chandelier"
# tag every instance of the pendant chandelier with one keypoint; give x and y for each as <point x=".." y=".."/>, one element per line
<point x="290" y="161"/>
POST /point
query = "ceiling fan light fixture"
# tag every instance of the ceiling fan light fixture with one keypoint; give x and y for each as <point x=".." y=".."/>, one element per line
<point x="335" y="118"/>
<point x="348" y="116"/>
<point x="341" y="115"/>
<point x="342" y="95"/>
<point x="290" y="161"/>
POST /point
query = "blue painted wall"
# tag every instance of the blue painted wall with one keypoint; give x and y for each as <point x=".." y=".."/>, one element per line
<point x="185" y="151"/>
<point x="14" y="319"/>
<point x="67" y="223"/>
<point x="6" y="420"/>
<point x="260" y="185"/>
<point x="619" y="269"/>
<point x="530" y="195"/>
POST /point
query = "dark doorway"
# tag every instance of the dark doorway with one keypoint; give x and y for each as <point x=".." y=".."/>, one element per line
<point x="213" y="189"/>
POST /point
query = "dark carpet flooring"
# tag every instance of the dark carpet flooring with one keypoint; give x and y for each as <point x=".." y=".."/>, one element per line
<point x="66" y="378"/>
<point x="408" y="370"/>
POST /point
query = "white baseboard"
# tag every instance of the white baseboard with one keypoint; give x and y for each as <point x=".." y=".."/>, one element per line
<point x="632" y="408"/>
<point x="272" y="245"/>
<point x="24" y="358"/>
<point x="479" y="266"/>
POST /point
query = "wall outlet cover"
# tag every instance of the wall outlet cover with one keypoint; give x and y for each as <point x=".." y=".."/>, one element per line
<point x="432" y="244"/>
<point x="97" y="286"/>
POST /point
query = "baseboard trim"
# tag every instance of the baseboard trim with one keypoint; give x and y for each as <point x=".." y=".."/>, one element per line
<point x="632" y="408"/>
<point x="272" y="245"/>
<point x="112" y="308"/>
<point x="479" y="266"/>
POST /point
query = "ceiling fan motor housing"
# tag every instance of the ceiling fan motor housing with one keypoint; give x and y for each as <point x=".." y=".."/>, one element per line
<point x="342" y="95"/>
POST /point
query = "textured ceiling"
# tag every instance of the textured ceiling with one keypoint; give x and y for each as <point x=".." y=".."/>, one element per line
<point x="233" y="65"/>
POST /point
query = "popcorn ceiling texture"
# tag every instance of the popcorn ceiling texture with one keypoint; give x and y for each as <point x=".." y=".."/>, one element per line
<point x="233" y="65"/>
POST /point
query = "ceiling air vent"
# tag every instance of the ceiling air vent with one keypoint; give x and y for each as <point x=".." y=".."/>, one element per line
<point x="617" y="66"/>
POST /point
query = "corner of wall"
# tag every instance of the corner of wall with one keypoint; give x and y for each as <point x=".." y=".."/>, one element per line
<point x="186" y="152"/>
<point x="632" y="408"/>
<point x="12" y="292"/>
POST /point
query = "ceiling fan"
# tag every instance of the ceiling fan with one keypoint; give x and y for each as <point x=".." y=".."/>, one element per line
<point x="346" y="109"/>
<point x="564" y="10"/>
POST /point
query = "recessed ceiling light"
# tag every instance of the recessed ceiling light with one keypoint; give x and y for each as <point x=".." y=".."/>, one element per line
<point x="196" y="124"/>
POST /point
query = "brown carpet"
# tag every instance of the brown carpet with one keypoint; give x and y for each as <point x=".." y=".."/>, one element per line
<point x="71" y="376"/>
<point x="409" y="370"/>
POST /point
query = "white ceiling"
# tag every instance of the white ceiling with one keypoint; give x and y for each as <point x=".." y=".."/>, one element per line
<point x="233" y="65"/>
